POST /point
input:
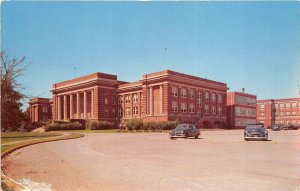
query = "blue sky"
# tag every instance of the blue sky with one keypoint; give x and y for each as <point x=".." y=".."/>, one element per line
<point x="251" y="45"/>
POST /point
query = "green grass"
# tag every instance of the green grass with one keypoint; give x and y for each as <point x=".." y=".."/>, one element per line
<point x="20" y="136"/>
<point x="29" y="134"/>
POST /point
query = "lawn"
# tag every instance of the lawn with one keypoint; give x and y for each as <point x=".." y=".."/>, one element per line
<point x="18" y="136"/>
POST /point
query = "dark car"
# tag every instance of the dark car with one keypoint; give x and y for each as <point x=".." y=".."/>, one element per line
<point x="294" y="127"/>
<point x="276" y="127"/>
<point x="289" y="127"/>
<point x="256" y="132"/>
<point x="185" y="130"/>
<point x="285" y="127"/>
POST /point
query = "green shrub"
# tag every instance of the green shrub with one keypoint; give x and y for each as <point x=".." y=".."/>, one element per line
<point x="150" y="126"/>
<point x="64" y="126"/>
<point x="82" y="121"/>
<point x="98" y="125"/>
<point x="134" y="124"/>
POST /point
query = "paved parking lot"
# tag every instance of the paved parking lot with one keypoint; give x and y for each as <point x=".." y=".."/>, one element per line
<point x="219" y="160"/>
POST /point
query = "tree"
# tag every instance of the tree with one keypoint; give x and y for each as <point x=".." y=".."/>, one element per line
<point x="11" y="114"/>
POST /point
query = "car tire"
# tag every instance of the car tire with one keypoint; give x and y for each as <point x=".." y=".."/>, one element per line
<point x="186" y="135"/>
<point x="196" y="137"/>
<point x="246" y="139"/>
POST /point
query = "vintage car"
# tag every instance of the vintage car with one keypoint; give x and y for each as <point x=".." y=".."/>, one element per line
<point x="289" y="127"/>
<point x="276" y="127"/>
<point x="256" y="132"/>
<point x="185" y="130"/>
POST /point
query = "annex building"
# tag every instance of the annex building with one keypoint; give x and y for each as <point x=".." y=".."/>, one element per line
<point x="241" y="109"/>
<point x="159" y="96"/>
<point x="278" y="111"/>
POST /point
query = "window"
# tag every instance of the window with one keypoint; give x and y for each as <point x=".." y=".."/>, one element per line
<point x="45" y="109"/>
<point x="281" y="114"/>
<point x="288" y="105"/>
<point x="287" y="113"/>
<point x="183" y="92"/>
<point x="192" y="108"/>
<point x="199" y="101"/>
<point x="192" y="93"/>
<point x="105" y="101"/>
<point x="281" y="105"/>
<point x="174" y="91"/>
<point x="213" y="97"/>
<point x="294" y="105"/>
<point x="220" y="110"/>
<point x="135" y="98"/>
<point x="262" y="106"/>
<point x="113" y="100"/>
<point x="206" y="96"/>
<point x="183" y="107"/>
<point x="120" y="112"/>
<point x="206" y="109"/>
<point x="120" y="100"/>
<point x="219" y="98"/>
<point x="113" y="112"/>
<point x="262" y="114"/>
<point x="105" y="112"/>
<point x="213" y="109"/>
<point x="127" y="111"/>
<point x="127" y="98"/>
<point x="135" y="110"/>
<point x="174" y="106"/>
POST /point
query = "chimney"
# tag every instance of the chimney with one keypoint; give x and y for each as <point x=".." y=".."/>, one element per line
<point x="243" y="90"/>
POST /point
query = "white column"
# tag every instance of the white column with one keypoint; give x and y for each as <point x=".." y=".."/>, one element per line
<point x="92" y="103"/>
<point x="32" y="113"/>
<point x="161" y="99"/>
<point x="78" y="105"/>
<point x="151" y="100"/>
<point x="58" y="108"/>
<point x="84" y="104"/>
<point x="36" y="111"/>
<point x="65" y="107"/>
<point x="71" y="106"/>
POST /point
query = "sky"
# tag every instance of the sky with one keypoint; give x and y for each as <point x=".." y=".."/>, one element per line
<point x="251" y="45"/>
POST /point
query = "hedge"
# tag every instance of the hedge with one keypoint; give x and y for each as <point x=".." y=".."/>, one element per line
<point x="98" y="125"/>
<point x="137" y="124"/>
<point x="134" y="124"/>
<point x="64" y="126"/>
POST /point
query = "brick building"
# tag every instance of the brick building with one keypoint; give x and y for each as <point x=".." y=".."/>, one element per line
<point x="40" y="109"/>
<point x="241" y="109"/>
<point x="160" y="96"/>
<point x="278" y="111"/>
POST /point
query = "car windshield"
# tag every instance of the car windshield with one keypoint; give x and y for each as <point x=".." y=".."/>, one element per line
<point x="182" y="126"/>
<point x="249" y="128"/>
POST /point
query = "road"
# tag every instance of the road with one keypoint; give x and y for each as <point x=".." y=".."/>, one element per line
<point x="219" y="160"/>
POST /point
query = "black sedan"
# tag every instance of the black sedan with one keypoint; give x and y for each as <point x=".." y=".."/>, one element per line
<point x="255" y="132"/>
<point x="185" y="130"/>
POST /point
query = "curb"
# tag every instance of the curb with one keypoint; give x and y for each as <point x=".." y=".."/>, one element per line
<point x="15" y="186"/>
